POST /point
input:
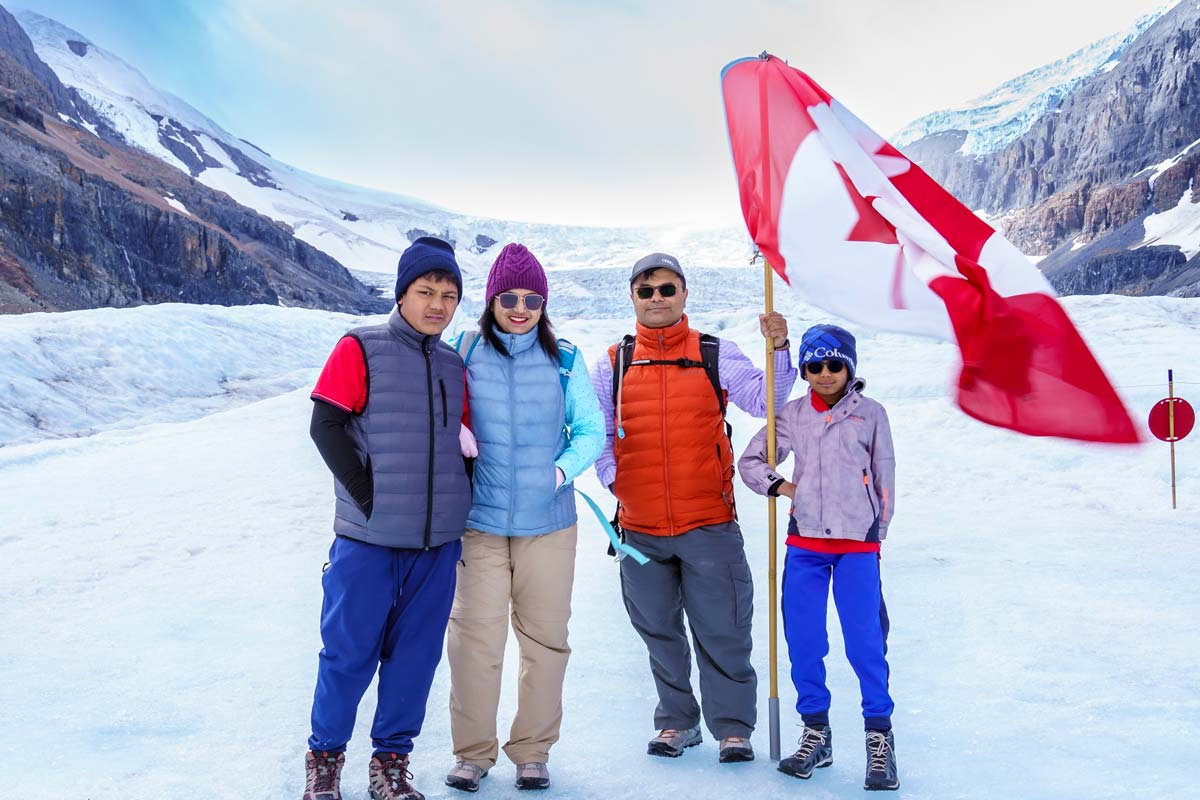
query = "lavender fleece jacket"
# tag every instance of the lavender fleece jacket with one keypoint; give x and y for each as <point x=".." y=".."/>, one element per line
<point x="845" y="468"/>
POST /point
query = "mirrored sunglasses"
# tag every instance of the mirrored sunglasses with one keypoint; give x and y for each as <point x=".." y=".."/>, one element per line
<point x="509" y="300"/>
<point x="817" y="367"/>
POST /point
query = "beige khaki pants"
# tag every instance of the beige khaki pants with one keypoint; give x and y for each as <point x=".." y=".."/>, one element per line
<point x="535" y="574"/>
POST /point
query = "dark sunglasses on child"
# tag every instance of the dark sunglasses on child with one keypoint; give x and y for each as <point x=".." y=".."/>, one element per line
<point x="666" y="290"/>
<point x="817" y="367"/>
<point x="508" y="300"/>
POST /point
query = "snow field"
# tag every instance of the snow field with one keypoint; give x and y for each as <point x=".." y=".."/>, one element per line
<point x="160" y="586"/>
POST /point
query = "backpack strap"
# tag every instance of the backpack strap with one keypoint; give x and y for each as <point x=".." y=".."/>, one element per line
<point x="710" y="348"/>
<point x="466" y="341"/>
<point x="566" y="363"/>
<point x="624" y="362"/>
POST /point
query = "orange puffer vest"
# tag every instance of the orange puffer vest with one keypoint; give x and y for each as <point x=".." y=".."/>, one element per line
<point x="675" y="462"/>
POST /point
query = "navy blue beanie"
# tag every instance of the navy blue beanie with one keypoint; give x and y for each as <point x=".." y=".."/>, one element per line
<point x="425" y="255"/>
<point x="828" y="343"/>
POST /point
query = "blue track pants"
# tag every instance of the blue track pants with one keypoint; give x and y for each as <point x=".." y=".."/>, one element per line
<point x="385" y="611"/>
<point x="858" y="596"/>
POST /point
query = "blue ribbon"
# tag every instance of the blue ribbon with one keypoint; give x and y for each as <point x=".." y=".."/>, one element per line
<point x="620" y="547"/>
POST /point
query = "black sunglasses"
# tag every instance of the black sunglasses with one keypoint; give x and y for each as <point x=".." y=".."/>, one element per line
<point x="509" y="300"/>
<point x="817" y="367"/>
<point x="666" y="290"/>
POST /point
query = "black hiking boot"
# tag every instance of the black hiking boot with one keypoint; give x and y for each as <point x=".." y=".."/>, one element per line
<point x="815" y="751"/>
<point x="882" y="774"/>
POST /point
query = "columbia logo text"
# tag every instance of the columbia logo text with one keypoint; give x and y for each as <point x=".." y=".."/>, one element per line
<point x="824" y="353"/>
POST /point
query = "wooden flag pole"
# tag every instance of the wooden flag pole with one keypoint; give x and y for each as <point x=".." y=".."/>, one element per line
<point x="773" y="701"/>
<point x="1171" y="427"/>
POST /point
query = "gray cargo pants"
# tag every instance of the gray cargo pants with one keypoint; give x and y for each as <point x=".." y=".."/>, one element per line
<point x="704" y="573"/>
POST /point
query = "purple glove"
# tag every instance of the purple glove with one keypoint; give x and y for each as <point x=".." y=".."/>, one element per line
<point x="466" y="441"/>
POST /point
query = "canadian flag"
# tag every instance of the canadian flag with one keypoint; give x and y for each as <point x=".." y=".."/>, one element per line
<point x="859" y="230"/>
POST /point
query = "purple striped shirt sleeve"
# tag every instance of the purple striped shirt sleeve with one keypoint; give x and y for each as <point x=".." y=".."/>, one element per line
<point x="602" y="377"/>
<point x="745" y="383"/>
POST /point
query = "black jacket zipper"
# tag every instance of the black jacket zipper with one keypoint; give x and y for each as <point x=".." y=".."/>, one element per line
<point x="425" y="348"/>
<point x="445" y="413"/>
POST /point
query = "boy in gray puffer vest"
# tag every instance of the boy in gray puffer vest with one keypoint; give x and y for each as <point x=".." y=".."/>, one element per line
<point x="843" y="497"/>
<point x="387" y="420"/>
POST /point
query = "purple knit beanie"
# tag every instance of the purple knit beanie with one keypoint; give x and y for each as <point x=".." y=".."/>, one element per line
<point x="516" y="268"/>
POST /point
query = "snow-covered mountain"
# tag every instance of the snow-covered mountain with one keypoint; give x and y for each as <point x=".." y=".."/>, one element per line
<point x="995" y="119"/>
<point x="362" y="228"/>
<point x="90" y="221"/>
<point x="995" y="153"/>
<point x="1089" y="163"/>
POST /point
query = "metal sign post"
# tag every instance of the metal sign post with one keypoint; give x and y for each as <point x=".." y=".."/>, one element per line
<point x="1171" y="419"/>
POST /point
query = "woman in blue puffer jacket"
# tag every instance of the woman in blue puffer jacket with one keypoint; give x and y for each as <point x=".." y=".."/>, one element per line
<point x="537" y="421"/>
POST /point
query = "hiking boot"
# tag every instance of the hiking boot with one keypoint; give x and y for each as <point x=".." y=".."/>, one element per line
<point x="882" y="774"/>
<point x="389" y="778"/>
<point x="323" y="775"/>
<point x="815" y="751"/>
<point x="671" y="743"/>
<point x="533" y="775"/>
<point x="734" y="749"/>
<point x="465" y="777"/>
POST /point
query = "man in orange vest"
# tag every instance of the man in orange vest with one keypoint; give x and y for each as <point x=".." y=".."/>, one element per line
<point x="669" y="461"/>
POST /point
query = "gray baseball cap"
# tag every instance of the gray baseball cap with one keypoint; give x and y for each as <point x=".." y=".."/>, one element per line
<point x="656" y="261"/>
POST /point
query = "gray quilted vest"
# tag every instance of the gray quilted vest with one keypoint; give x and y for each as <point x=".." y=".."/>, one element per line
<point x="407" y="436"/>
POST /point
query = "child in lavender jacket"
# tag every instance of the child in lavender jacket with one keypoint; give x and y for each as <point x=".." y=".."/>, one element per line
<point x="842" y="492"/>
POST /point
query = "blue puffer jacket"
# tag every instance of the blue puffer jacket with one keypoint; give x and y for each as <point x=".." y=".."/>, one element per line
<point x="521" y="420"/>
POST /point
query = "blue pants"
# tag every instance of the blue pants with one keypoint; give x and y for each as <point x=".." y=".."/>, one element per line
<point x="858" y="596"/>
<point x="385" y="609"/>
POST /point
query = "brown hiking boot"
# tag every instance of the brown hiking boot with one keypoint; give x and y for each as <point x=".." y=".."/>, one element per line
<point x="734" y="749"/>
<point x="323" y="775"/>
<point x="671" y="743"/>
<point x="389" y="778"/>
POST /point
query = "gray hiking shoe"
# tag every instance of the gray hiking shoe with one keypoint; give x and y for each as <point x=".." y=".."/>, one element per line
<point x="465" y="777"/>
<point x="734" y="749"/>
<point x="882" y="774"/>
<point x="815" y="751"/>
<point x="533" y="775"/>
<point x="671" y="743"/>
<point x="323" y="775"/>
<point x="389" y="778"/>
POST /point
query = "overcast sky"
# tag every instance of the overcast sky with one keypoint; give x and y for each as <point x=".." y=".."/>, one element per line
<point x="603" y="113"/>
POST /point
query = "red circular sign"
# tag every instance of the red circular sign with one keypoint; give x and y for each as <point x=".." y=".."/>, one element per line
<point x="1185" y="418"/>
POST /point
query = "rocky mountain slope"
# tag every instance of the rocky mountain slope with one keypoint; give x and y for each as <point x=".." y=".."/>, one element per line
<point x="1100" y="183"/>
<point x="86" y="220"/>
<point x="364" y="229"/>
